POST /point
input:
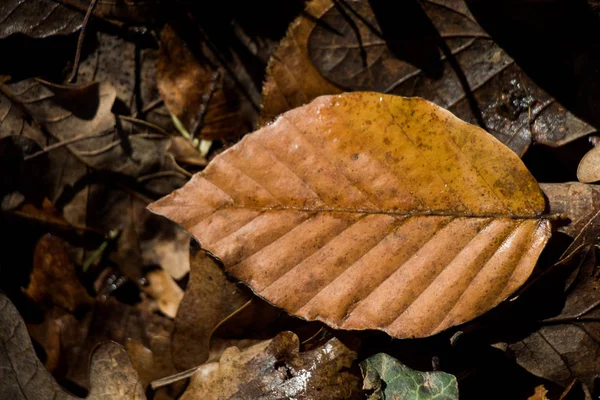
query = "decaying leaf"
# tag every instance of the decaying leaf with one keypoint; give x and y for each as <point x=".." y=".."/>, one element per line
<point x="38" y="18"/>
<point x="68" y="341"/>
<point x="54" y="277"/>
<point x="369" y="211"/>
<point x="436" y="51"/>
<point x="24" y="377"/>
<point x="567" y="346"/>
<point x="198" y="91"/>
<point x="209" y="299"/>
<point x="388" y="378"/>
<point x="275" y="369"/>
<point x="588" y="170"/>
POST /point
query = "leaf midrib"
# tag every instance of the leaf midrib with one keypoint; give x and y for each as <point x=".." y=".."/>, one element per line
<point x="403" y="213"/>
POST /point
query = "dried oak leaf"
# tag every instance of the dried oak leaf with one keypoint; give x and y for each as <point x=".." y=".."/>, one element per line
<point x="388" y="378"/>
<point x="38" y="18"/>
<point x="275" y="369"/>
<point x="567" y="346"/>
<point x="54" y="277"/>
<point x="210" y="298"/>
<point x="24" y="377"/>
<point x="369" y="211"/>
<point x="437" y="51"/>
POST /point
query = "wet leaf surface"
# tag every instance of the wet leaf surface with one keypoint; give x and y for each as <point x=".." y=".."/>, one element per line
<point x="387" y="378"/>
<point x="303" y="234"/>
<point x="24" y="377"/>
<point x="275" y="369"/>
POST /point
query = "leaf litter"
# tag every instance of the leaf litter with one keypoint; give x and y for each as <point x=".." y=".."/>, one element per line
<point x="163" y="94"/>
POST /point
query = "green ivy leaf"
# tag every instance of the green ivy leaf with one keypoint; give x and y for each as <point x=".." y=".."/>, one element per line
<point x="389" y="379"/>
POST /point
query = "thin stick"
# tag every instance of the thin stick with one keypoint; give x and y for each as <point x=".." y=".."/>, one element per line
<point x="78" y="138"/>
<point x="84" y="25"/>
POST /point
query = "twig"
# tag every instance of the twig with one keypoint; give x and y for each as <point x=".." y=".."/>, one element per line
<point x="78" y="138"/>
<point x="84" y="25"/>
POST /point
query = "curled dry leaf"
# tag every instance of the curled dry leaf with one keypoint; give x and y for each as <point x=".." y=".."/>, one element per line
<point x="567" y="346"/>
<point x="209" y="299"/>
<point x="24" y="377"/>
<point x="432" y="49"/>
<point x="275" y="369"/>
<point x="54" y="277"/>
<point x="369" y="211"/>
<point x="388" y="378"/>
<point x="38" y="18"/>
<point x="588" y="170"/>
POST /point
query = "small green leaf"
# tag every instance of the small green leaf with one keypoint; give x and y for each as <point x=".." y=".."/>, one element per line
<point x="390" y="380"/>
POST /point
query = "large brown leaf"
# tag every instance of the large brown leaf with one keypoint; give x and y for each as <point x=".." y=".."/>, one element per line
<point x="435" y="50"/>
<point x="369" y="211"/>
<point x="24" y="377"/>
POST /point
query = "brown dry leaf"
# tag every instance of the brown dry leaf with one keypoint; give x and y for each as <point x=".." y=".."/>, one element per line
<point x="579" y="203"/>
<point x="540" y="393"/>
<point x="369" y="211"/>
<point x="291" y="78"/>
<point x="588" y="170"/>
<point x="356" y="47"/>
<point x="199" y="92"/>
<point x="54" y="277"/>
<point x="24" y="377"/>
<point x="165" y="290"/>
<point x="133" y="11"/>
<point x="68" y="341"/>
<point x="567" y="346"/>
<point x="275" y="369"/>
<point x="117" y="61"/>
<point x="153" y="363"/>
<point x="169" y="248"/>
<point x="185" y="153"/>
<point x="38" y="18"/>
<point x="210" y="298"/>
